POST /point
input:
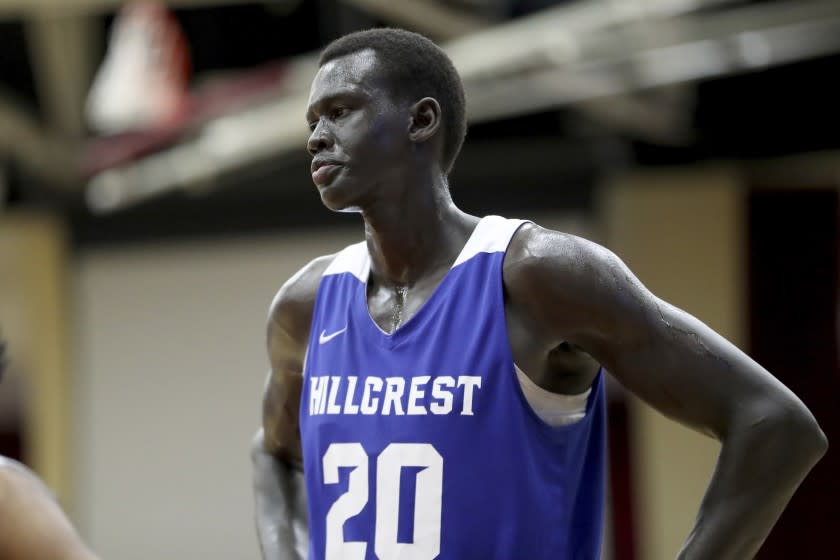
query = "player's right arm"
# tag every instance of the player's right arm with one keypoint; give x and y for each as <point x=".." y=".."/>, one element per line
<point x="276" y="454"/>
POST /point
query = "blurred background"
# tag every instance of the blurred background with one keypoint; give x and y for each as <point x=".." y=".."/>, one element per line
<point x="155" y="193"/>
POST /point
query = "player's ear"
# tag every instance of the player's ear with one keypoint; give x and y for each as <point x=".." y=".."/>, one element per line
<point x="425" y="119"/>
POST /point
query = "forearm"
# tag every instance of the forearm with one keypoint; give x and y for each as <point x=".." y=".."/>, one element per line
<point x="280" y="504"/>
<point x="761" y="464"/>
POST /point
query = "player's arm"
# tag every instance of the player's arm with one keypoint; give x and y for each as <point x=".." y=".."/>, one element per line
<point x="276" y="454"/>
<point x="573" y="290"/>
<point x="34" y="527"/>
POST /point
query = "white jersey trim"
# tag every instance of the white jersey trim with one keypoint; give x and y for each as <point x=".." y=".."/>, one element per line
<point x="353" y="259"/>
<point x="491" y="235"/>
<point x="552" y="408"/>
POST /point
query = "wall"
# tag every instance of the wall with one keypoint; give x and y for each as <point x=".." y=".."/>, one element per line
<point x="171" y="365"/>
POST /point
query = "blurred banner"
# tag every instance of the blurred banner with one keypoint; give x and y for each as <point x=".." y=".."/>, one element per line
<point x="142" y="83"/>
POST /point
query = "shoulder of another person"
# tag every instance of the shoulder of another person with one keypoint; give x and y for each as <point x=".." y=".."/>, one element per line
<point x="14" y="468"/>
<point x="14" y="475"/>
<point x="6" y="463"/>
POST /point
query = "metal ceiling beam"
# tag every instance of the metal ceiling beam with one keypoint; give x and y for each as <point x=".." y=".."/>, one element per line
<point x="662" y="116"/>
<point x="62" y="54"/>
<point x="26" y="8"/>
<point x="677" y="51"/>
<point x="424" y="16"/>
<point x="557" y="35"/>
<point x="514" y="69"/>
<point x="43" y="154"/>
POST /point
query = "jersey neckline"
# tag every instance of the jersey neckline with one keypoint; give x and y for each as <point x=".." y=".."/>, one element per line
<point x="472" y="247"/>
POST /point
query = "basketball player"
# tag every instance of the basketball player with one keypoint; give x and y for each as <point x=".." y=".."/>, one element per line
<point x="438" y="384"/>
<point x="32" y="525"/>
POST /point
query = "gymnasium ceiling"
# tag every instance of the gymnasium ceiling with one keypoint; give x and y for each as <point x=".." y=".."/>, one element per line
<point x="569" y="91"/>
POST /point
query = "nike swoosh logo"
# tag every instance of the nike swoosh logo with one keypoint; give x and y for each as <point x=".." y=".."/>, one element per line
<point x="324" y="338"/>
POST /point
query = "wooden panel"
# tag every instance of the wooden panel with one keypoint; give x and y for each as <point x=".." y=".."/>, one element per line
<point x="681" y="233"/>
<point x="32" y="299"/>
<point x="793" y="302"/>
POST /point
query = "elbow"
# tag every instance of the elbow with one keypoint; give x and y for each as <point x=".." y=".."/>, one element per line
<point x="801" y="433"/>
<point x="258" y="449"/>
<point x="783" y="428"/>
<point x="817" y="440"/>
<point x="264" y="451"/>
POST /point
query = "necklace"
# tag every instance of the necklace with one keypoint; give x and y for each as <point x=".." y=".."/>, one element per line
<point x="399" y="305"/>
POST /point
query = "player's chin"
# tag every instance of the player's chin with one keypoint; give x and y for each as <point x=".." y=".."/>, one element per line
<point x="337" y="195"/>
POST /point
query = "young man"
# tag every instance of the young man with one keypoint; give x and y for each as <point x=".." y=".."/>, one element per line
<point x="438" y="384"/>
<point x="32" y="525"/>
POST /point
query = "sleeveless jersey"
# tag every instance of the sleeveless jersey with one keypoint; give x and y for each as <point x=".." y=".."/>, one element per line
<point x="420" y="444"/>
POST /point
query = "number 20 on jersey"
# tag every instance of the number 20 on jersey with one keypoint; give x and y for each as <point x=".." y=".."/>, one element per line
<point x="389" y="464"/>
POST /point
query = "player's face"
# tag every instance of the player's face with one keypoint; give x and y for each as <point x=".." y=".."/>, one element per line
<point x="359" y="138"/>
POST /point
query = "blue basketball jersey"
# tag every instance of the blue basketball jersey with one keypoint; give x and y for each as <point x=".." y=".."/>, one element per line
<point x="420" y="444"/>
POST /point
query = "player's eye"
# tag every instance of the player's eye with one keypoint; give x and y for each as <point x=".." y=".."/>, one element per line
<point x="338" y="112"/>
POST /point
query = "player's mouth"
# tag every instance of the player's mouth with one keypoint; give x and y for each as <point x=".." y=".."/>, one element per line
<point x="324" y="174"/>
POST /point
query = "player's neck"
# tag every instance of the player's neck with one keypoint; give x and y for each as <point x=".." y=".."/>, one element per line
<point x="415" y="234"/>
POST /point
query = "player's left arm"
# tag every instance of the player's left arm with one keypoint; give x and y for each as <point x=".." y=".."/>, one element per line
<point x="576" y="291"/>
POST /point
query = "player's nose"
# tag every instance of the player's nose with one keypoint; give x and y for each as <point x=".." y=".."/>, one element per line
<point x="319" y="140"/>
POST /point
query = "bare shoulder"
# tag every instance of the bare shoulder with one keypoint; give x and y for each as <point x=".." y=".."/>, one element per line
<point x="34" y="526"/>
<point x="567" y="287"/>
<point x="19" y="484"/>
<point x="15" y="475"/>
<point x="7" y="464"/>
<point x="9" y="471"/>
<point x="537" y="255"/>
<point x="301" y="288"/>
<point x="289" y="322"/>
<point x="291" y="309"/>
